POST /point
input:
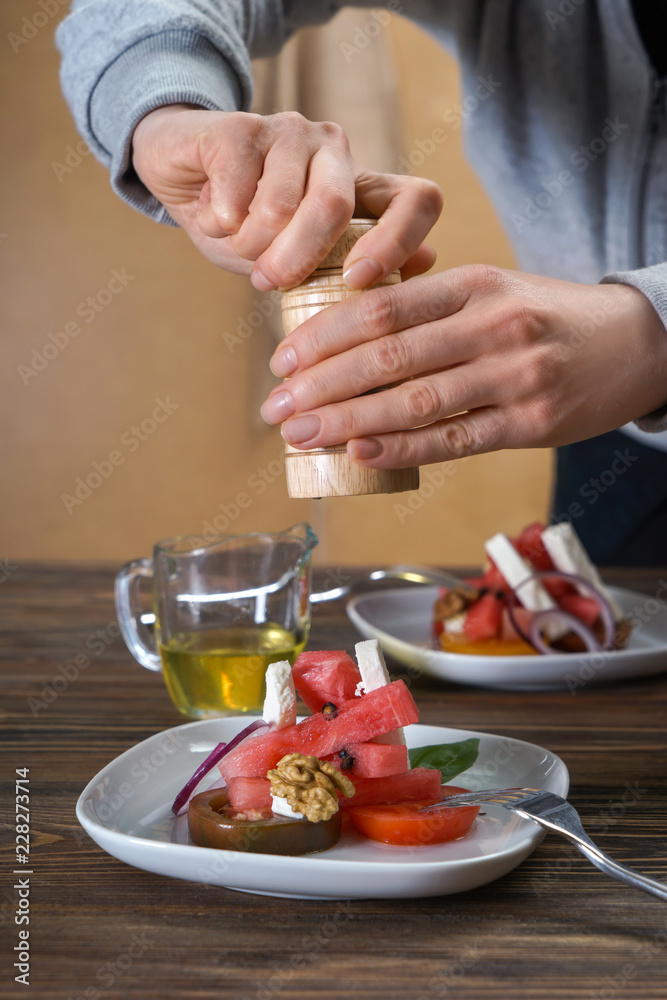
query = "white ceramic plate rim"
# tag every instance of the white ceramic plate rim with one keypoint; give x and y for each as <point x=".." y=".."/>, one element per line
<point x="136" y="810"/>
<point x="646" y="652"/>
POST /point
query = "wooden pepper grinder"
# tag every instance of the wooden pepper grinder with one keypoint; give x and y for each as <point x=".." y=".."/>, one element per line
<point x="328" y="472"/>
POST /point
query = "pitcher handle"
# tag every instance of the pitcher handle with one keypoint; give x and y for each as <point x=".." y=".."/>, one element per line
<point x="137" y="637"/>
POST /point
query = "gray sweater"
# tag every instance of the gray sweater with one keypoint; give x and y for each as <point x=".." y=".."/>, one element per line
<point x="565" y="120"/>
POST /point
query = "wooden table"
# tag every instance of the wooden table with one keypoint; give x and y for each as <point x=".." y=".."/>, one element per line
<point x="553" y="928"/>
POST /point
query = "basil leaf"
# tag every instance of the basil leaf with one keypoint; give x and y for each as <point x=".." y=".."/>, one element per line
<point x="448" y="758"/>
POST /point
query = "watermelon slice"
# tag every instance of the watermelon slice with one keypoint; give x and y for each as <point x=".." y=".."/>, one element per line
<point x="371" y="760"/>
<point x="419" y="783"/>
<point x="356" y="721"/>
<point x="411" y="786"/>
<point x="249" y="793"/>
<point x="586" y="609"/>
<point x="523" y="618"/>
<point x="529" y="544"/>
<point x="483" y="618"/>
<point x="325" y="675"/>
<point x="557" y="587"/>
<point x="492" y="579"/>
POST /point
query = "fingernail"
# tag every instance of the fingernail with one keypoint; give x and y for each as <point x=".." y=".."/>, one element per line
<point x="301" y="429"/>
<point x="284" y="362"/>
<point x="278" y="407"/>
<point x="362" y="273"/>
<point x="260" y="281"/>
<point x="366" y="448"/>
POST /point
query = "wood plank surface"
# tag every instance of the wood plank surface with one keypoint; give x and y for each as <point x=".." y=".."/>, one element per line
<point x="101" y="930"/>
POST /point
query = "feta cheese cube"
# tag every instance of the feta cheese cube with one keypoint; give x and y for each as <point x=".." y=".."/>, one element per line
<point x="374" y="674"/>
<point x="454" y="625"/>
<point x="569" y="556"/>
<point x="280" y="701"/>
<point x="281" y="807"/>
<point x="515" y="569"/>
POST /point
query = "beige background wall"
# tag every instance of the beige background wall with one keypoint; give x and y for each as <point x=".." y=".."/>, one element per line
<point x="156" y="334"/>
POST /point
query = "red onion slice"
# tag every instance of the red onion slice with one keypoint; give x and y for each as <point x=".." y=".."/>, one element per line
<point x="543" y="618"/>
<point x="182" y="800"/>
<point x="556" y="614"/>
<point x="511" y="604"/>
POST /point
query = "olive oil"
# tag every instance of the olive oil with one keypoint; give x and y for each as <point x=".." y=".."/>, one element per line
<point x="221" y="671"/>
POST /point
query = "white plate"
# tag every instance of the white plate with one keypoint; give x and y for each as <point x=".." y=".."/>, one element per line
<point x="126" y="809"/>
<point x="401" y="620"/>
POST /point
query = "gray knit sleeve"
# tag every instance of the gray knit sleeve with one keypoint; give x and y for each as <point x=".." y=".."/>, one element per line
<point x="123" y="58"/>
<point x="652" y="281"/>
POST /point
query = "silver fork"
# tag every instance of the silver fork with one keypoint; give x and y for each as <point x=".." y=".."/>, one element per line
<point x="556" y="814"/>
<point x="408" y="574"/>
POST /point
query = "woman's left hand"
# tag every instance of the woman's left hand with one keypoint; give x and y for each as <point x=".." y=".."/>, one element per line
<point x="486" y="359"/>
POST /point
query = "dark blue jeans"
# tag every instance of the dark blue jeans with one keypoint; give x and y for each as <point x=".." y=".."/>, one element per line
<point x="614" y="491"/>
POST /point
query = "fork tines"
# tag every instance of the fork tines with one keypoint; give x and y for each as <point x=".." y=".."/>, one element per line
<point x="496" y="796"/>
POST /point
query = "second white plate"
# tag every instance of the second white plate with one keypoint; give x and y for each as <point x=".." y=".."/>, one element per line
<point x="401" y="621"/>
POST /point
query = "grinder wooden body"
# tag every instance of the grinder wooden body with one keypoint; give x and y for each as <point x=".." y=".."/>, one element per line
<point x="328" y="472"/>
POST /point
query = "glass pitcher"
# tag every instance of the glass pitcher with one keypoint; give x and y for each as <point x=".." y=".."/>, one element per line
<point x="224" y="609"/>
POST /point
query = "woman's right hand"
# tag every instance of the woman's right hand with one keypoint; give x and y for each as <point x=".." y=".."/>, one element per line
<point x="269" y="196"/>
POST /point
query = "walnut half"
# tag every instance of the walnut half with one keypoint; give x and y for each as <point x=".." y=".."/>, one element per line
<point x="454" y="602"/>
<point x="309" y="785"/>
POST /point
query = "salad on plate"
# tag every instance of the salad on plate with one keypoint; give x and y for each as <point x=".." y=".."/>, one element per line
<point x="287" y="786"/>
<point x="539" y="593"/>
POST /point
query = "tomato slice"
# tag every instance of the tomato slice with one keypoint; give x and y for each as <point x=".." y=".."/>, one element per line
<point x="403" y="824"/>
<point x="213" y="823"/>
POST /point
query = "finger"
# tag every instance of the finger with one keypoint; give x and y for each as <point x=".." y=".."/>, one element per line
<point x="468" y="434"/>
<point x="233" y="158"/>
<point x="218" y="251"/>
<point x="280" y="191"/>
<point x="412" y="404"/>
<point x="376" y="313"/>
<point x="317" y="224"/>
<point x="421" y="261"/>
<point x="406" y="209"/>
<point x="423" y="350"/>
